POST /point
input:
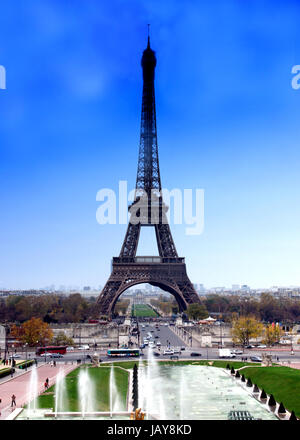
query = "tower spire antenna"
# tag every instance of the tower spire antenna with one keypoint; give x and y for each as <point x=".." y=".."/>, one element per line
<point x="148" y="46"/>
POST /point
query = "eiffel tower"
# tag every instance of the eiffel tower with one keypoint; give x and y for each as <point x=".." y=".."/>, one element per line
<point x="167" y="271"/>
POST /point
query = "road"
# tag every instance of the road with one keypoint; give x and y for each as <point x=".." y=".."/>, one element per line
<point x="167" y="337"/>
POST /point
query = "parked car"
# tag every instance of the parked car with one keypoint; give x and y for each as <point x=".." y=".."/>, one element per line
<point x="237" y="351"/>
<point x="250" y="346"/>
<point x="15" y="356"/>
<point x="182" y="348"/>
<point x="261" y="346"/>
<point x="255" y="359"/>
<point x="156" y="353"/>
<point x="168" y="351"/>
<point x="84" y="347"/>
<point x="194" y="353"/>
<point x="56" y="355"/>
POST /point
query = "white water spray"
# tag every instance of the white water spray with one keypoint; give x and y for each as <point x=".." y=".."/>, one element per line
<point x="32" y="391"/>
<point x="61" y="401"/>
<point x="115" y="403"/>
<point x="86" y="392"/>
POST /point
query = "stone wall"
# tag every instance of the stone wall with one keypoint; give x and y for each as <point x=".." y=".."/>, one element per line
<point x="91" y="334"/>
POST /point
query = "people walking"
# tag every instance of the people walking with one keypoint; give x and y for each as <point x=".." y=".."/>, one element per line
<point x="46" y="384"/>
<point x="13" y="400"/>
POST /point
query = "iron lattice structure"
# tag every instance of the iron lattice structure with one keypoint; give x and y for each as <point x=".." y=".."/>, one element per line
<point x="167" y="271"/>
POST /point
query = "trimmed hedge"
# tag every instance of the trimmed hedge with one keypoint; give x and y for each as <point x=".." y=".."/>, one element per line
<point x="5" y="372"/>
<point x="23" y="364"/>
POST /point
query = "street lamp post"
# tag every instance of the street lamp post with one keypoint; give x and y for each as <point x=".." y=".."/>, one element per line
<point x="26" y="356"/>
<point x="6" y="344"/>
<point x="207" y="352"/>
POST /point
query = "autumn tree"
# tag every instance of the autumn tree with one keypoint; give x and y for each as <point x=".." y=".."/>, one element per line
<point x="33" y="332"/>
<point x="62" y="339"/>
<point x="122" y="306"/>
<point x="196" y="311"/>
<point x="272" y="334"/>
<point x="244" y="328"/>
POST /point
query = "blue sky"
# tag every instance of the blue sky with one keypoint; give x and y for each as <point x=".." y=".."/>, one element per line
<point x="228" y="122"/>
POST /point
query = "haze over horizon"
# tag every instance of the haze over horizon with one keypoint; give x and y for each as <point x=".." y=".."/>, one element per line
<point x="227" y="117"/>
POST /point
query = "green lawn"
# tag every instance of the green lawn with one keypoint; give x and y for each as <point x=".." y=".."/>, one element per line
<point x="143" y="310"/>
<point x="282" y="382"/>
<point x="100" y="377"/>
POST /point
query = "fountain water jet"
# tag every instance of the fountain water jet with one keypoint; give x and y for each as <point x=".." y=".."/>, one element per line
<point x="115" y="403"/>
<point x="86" y="392"/>
<point x="152" y="397"/>
<point x="32" y="391"/>
<point x="60" y="393"/>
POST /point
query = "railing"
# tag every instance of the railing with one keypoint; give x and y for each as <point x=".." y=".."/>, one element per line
<point x="147" y="259"/>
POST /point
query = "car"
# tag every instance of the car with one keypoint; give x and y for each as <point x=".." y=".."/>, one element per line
<point x="261" y="346"/>
<point x="15" y="356"/>
<point x="158" y="343"/>
<point x="176" y="350"/>
<point x="142" y="346"/>
<point x="168" y="352"/>
<point x="84" y="347"/>
<point x="255" y="359"/>
<point x="237" y="351"/>
<point x="194" y="353"/>
<point x="182" y="348"/>
<point x="56" y="355"/>
<point x="45" y="354"/>
<point x="70" y="348"/>
<point x="155" y="353"/>
<point x="156" y="336"/>
<point x="250" y="346"/>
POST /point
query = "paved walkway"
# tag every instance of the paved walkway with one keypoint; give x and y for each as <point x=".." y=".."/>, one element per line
<point x="18" y="385"/>
<point x="295" y="365"/>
